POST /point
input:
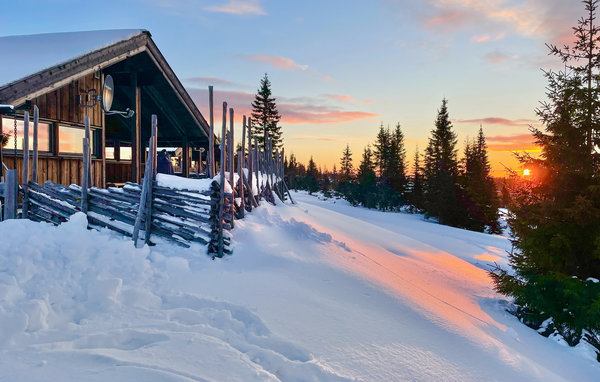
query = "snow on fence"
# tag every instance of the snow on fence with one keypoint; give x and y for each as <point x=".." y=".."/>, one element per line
<point x="164" y="207"/>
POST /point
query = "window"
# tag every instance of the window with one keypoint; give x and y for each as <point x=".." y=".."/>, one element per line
<point x="109" y="152"/>
<point x="124" y="152"/>
<point x="43" y="134"/>
<point x="70" y="139"/>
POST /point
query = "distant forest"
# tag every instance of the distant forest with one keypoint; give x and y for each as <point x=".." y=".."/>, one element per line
<point x="460" y="193"/>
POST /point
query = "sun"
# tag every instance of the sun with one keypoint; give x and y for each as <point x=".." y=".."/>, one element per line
<point x="526" y="172"/>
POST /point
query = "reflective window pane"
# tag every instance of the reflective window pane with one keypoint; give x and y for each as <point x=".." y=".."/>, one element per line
<point x="70" y="139"/>
<point x="43" y="134"/>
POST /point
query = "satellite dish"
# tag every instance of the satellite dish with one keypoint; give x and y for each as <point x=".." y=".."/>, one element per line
<point x="108" y="91"/>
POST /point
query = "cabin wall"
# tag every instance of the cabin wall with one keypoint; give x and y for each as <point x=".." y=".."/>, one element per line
<point x="58" y="170"/>
<point x="63" y="105"/>
<point x="57" y="107"/>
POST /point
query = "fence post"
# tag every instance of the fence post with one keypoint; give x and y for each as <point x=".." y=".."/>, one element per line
<point x="150" y="174"/>
<point x="10" y="194"/>
<point x="211" y="139"/>
<point x="86" y="124"/>
<point x="34" y="165"/>
<point x="241" y="183"/>
<point x="146" y="186"/>
<point x="222" y="172"/>
<point x="25" y="179"/>
<point x="85" y="176"/>
<point x="231" y="151"/>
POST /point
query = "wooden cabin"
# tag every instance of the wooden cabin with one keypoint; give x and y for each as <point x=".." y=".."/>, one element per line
<point x="60" y="72"/>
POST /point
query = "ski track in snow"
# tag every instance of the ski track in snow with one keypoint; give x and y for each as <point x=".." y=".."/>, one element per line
<point x="318" y="291"/>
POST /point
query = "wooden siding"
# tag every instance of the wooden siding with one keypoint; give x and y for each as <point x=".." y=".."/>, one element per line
<point x="64" y="171"/>
<point x="63" y="105"/>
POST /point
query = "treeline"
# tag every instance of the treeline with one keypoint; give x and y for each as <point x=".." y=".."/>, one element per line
<point x="460" y="193"/>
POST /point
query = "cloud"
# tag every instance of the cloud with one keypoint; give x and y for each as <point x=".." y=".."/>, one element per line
<point x="341" y="97"/>
<point x="301" y="110"/>
<point x="530" y="18"/>
<point x="278" y="62"/>
<point x="521" y="142"/>
<point x="239" y="7"/>
<point x="487" y="38"/>
<point x="498" y="57"/>
<point x="497" y="121"/>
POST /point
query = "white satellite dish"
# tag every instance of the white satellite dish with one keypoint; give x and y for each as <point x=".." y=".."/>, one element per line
<point x="108" y="91"/>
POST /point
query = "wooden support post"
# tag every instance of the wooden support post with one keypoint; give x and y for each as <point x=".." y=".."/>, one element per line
<point x="222" y="178"/>
<point x="244" y="142"/>
<point x="231" y="150"/>
<point x="210" y="159"/>
<point x="135" y="133"/>
<point x="85" y="176"/>
<point x="241" y="184"/>
<point x="10" y="194"/>
<point x="34" y="165"/>
<point x="1" y="155"/>
<point x="103" y="144"/>
<point x="257" y="166"/>
<point x="142" y="208"/>
<point x="155" y="135"/>
<point x="250" y="158"/>
<point x="185" y="159"/>
<point x="86" y="125"/>
<point x="151" y="175"/>
<point x="25" y="178"/>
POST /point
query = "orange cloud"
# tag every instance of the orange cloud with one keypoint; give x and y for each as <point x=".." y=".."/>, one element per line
<point x="498" y="121"/>
<point x="341" y="97"/>
<point x="303" y="110"/>
<point x="487" y="38"/>
<point x="521" y="142"/>
<point x="278" y="62"/>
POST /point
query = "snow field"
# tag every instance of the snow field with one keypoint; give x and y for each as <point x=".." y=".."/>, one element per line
<point x="318" y="291"/>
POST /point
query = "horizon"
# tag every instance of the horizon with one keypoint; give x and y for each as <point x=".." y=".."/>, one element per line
<point x="484" y="58"/>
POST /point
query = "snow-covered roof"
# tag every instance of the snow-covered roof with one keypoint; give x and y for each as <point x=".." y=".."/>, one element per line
<point x="28" y="54"/>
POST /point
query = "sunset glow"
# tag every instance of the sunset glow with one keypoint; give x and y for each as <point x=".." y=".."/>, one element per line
<point x="526" y="172"/>
<point x="336" y="83"/>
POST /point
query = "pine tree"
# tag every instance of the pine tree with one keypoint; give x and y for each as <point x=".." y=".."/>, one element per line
<point x="556" y="219"/>
<point x="265" y="115"/>
<point x="346" y="169"/>
<point x="415" y="196"/>
<point x="381" y="153"/>
<point x="366" y="170"/>
<point x="312" y="176"/>
<point x="397" y="160"/>
<point x="441" y="172"/>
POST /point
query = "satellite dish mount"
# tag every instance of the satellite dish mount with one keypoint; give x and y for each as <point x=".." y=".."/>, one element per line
<point x="106" y="99"/>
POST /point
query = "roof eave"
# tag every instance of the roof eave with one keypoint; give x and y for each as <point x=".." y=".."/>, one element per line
<point x="34" y="85"/>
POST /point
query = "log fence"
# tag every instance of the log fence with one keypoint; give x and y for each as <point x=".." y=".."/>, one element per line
<point x="151" y="212"/>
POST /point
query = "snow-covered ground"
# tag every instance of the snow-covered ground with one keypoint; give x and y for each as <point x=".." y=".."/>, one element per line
<point x="317" y="291"/>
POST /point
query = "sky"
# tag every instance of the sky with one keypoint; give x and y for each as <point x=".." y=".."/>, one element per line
<point x="341" y="68"/>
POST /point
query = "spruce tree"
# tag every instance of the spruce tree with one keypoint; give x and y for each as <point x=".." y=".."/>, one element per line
<point x="415" y="196"/>
<point x="441" y="172"/>
<point x="397" y="160"/>
<point x="382" y="153"/>
<point x="556" y="218"/>
<point x="312" y="177"/>
<point x="346" y="169"/>
<point x="265" y="115"/>
<point x="366" y="170"/>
